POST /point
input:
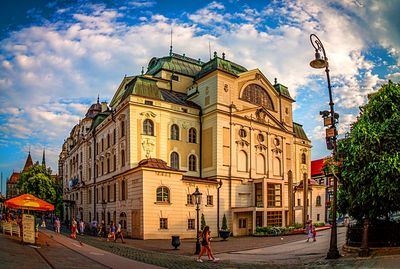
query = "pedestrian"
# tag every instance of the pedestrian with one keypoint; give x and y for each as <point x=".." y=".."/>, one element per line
<point x="81" y="227"/>
<point x="111" y="232"/>
<point x="205" y="246"/>
<point x="314" y="233"/>
<point x="119" y="233"/>
<point x="57" y="225"/>
<point x="94" y="226"/>
<point x="309" y="230"/>
<point x="73" y="228"/>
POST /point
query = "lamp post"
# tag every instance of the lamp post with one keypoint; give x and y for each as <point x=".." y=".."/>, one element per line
<point x="104" y="205"/>
<point x="330" y="118"/>
<point x="197" y="196"/>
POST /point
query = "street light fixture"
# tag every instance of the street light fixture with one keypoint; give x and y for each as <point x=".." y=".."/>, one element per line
<point x="197" y="196"/>
<point x="322" y="62"/>
<point x="104" y="205"/>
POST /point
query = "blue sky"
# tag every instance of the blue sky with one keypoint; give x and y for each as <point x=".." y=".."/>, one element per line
<point x="56" y="56"/>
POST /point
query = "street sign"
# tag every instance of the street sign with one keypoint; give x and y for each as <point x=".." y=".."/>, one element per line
<point x="330" y="132"/>
<point x="328" y="121"/>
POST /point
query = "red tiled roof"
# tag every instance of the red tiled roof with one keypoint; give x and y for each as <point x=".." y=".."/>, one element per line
<point x="311" y="182"/>
<point x="316" y="167"/>
<point x="155" y="163"/>
<point x="14" y="178"/>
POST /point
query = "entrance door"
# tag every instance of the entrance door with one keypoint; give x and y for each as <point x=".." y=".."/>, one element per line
<point x="136" y="223"/>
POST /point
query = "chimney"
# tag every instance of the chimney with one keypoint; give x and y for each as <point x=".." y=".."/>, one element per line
<point x="104" y="106"/>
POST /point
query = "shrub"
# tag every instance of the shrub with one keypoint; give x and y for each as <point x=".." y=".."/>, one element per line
<point x="224" y="226"/>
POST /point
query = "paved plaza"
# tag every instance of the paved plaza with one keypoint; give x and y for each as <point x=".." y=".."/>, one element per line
<point x="59" y="251"/>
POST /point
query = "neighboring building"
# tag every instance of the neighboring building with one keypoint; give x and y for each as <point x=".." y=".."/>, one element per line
<point x="12" y="189"/>
<point x="317" y="174"/>
<point x="181" y="125"/>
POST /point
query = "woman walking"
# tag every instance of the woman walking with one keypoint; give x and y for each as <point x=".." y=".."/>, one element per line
<point x="81" y="227"/>
<point x="309" y="230"/>
<point x="119" y="233"/>
<point x="205" y="246"/>
<point x="73" y="228"/>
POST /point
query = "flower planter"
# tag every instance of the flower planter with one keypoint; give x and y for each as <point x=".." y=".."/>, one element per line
<point x="176" y="241"/>
<point x="224" y="234"/>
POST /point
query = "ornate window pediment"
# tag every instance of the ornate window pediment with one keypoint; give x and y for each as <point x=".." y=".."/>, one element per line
<point x="257" y="95"/>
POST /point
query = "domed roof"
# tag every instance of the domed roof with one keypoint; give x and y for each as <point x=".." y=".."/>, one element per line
<point x="93" y="110"/>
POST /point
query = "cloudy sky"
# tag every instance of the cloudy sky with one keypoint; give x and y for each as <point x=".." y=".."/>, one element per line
<point x="57" y="56"/>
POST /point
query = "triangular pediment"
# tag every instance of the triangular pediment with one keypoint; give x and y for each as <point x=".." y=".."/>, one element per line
<point x="261" y="115"/>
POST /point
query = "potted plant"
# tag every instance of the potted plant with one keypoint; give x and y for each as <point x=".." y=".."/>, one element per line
<point x="224" y="232"/>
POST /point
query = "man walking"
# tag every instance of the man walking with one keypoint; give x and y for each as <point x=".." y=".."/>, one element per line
<point x="119" y="233"/>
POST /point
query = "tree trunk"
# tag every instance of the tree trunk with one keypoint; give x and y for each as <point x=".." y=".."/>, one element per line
<point x="364" y="250"/>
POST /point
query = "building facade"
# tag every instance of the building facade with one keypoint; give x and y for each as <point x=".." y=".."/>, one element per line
<point x="12" y="187"/>
<point x="317" y="174"/>
<point x="184" y="124"/>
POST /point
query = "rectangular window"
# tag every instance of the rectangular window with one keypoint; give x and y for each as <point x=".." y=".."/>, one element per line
<point x="242" y="223"/>
<point x="175" y="77"/>
<point x="274" y="218"/>
<point x="189" y="199"/>
<point x="122" y="128"/>
<point x="298" y="202"/>
<point x="147" y="102"/>
<point x="163" y="223"/>
<point x="274" y="195"/>
<point x="259" y="195"/>
<point x="90" y="197"/>
<point x="190" y="224"/>
<point x="210" y="200"/>
<point x="318" y="217"/>
<point x="115" y="137"/>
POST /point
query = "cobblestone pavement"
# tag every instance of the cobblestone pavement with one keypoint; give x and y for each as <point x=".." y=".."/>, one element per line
<point x="244" y="252"/>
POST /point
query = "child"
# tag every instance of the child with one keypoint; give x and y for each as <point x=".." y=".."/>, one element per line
<point x="314" y="233"/>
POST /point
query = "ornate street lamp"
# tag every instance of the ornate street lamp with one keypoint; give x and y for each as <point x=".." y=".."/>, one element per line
<point x="330" y="118"/>
<point x="197" y="196"/>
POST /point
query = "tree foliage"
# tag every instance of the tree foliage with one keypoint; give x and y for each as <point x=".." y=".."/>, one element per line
<point x="38" y="182"/>
<point x="370" y="158"/>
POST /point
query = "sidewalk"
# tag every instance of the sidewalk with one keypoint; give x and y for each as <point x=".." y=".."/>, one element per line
<point x="99" y="257"/>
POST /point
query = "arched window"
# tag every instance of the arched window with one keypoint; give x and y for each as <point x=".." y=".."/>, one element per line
<point x="192" y="163"/>
<point x="148" y="127"/>
<point x="122" y="128"/>
<point x="123" y="190"/>
<point x="122" y="158"/>
<point x="277" y="167"/>
<point x="174" y="160"/>
<point x="108" y="218"/>
<point x="192" y="135"/>
<point x="174" y="132"/>
<point x="163" y="194"/>
<point x="115" y="217"/>
<point x="114" y="162"/>
<point x="303" y="158"/>
<point x="122" y="219"/>
<point x="257" y="95"/>
<point x="318" y="201"/>
<point x="108" y="140"/>
<point x="90" y="216"/>
<point x="242" y="161"/>
<point x="115" y="192"/>
<point x="108" y="193"/>
<point x="260" y="165"/>
<point x="108" y="165"/>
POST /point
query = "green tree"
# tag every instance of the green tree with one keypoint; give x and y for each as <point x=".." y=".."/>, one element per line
<point x="370" y="159"/>
<point x="38" y="181"/>
<point x="224" y="224"/>
<point x="203" y="222"/>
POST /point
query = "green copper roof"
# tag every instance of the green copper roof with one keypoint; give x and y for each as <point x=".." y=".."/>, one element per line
<point x="282" y="90"/>
<point x="221" y="64"/>
<point x="144" y="87"/>
<point x="299" y="131"/>
<point x="99" y="118"/>
<point x="175" y="62"/>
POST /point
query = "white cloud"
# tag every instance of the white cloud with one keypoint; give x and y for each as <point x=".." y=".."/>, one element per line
<point x="90" y="51"/>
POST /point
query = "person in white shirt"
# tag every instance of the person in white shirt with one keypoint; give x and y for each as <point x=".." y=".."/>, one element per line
<point x="119" y="233"/>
